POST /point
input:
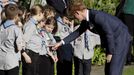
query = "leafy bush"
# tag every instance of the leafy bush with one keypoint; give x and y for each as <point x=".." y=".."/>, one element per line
<point x="108" y="6"/>
<point x="99" y="56"/>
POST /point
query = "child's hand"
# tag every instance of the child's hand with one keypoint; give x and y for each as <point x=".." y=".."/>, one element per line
<point x="56" y="59"/>
<point x="53" y="58"/>
<point x="51" y="55"/>
<point x="27" y="58"/>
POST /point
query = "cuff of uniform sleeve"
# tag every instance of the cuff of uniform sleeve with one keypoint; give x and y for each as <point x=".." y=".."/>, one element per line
<point x="62" y="42"/>
<point x="22" y="51"/>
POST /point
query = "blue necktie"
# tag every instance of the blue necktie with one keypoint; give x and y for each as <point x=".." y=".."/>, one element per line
<point x="86" y="41"/>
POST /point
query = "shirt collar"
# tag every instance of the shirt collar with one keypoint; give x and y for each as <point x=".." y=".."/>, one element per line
<point x="87" y="15"/>
<point x="9" y="23"/>
<point x="33" y="21"/>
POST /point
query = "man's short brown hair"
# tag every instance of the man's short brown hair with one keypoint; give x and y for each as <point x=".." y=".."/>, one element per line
<point x="76" y="6"/>
<point x="11" y="10"/>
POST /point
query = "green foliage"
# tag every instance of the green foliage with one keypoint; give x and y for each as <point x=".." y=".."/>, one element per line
<point x="99" y="56"/>
<point x="108" y="6"/>
<point x="37" y="1"/>
<point x="25" y="3"/>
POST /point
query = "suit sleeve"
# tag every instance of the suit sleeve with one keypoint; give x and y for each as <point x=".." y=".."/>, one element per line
<point x="103" y="21"/>
<point x="76" y="33"/>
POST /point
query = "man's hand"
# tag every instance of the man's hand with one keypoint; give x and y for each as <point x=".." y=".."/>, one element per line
<point x="108" y="58"/>
<point x="57" y="45"/>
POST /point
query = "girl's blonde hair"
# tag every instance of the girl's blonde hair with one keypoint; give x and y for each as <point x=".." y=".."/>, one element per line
<point x="49" y="11"/>
<point x="36" y="9"/>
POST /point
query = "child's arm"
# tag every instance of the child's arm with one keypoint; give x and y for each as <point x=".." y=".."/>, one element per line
<point x="19" y="39"/>
<point x="26" y="57"/>
<point x="21" y="45"/>
<point x="55" y="56"/>
<point x="51" y="55"/>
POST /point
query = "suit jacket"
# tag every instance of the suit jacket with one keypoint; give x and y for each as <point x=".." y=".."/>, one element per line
<point x="113" y="33"/>
<point x="58" y="5"/>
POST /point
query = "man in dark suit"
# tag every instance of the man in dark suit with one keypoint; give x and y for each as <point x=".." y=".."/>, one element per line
<point x="113" y="33"/>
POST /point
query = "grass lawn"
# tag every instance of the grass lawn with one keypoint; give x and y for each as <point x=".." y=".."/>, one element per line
<point x="99" y="70"/>
<point x="129" y="70"/>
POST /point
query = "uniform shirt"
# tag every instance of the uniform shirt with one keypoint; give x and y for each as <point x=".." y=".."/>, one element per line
<point x="63" y="29"/>
<point x="48" y="39"/>
<point x="79" y="45"/>
<point x="31" y="36"/>
<point x="10" y="40"/>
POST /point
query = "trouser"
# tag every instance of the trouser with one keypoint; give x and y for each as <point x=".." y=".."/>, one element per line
<point x="46" y="65"/>
<point x="82" y="67"/>
<point x="64" y="67"/>
<point x="115" y="67"/>
<point x="14" y="71"/>
<point x="32" y="68"/>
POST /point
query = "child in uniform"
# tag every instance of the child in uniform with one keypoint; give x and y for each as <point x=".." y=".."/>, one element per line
<point x="84" y="51"/>
<point x="47" y="56"/>
<point x="11" y="42"/>
<point x="33" y="40"/>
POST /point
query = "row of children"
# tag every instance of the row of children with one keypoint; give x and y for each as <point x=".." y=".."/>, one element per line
<point x="34" y="40"/>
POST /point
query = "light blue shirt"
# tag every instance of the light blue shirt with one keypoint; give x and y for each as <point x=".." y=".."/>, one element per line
<point x="10" y="41"/>
<point x="63" y="29"/>
<point x="48" y="40"/>
<point x="31" y="36"/>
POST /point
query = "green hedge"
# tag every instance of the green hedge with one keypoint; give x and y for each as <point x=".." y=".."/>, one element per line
<point x="99" y="56"/>
<point x="108" y="6"/>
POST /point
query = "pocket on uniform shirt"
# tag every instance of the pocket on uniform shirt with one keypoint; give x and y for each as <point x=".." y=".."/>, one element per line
<point x="2" y="57"/>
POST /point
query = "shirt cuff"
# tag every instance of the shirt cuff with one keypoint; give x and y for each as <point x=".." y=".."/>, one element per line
<point x="62" y="42"/>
